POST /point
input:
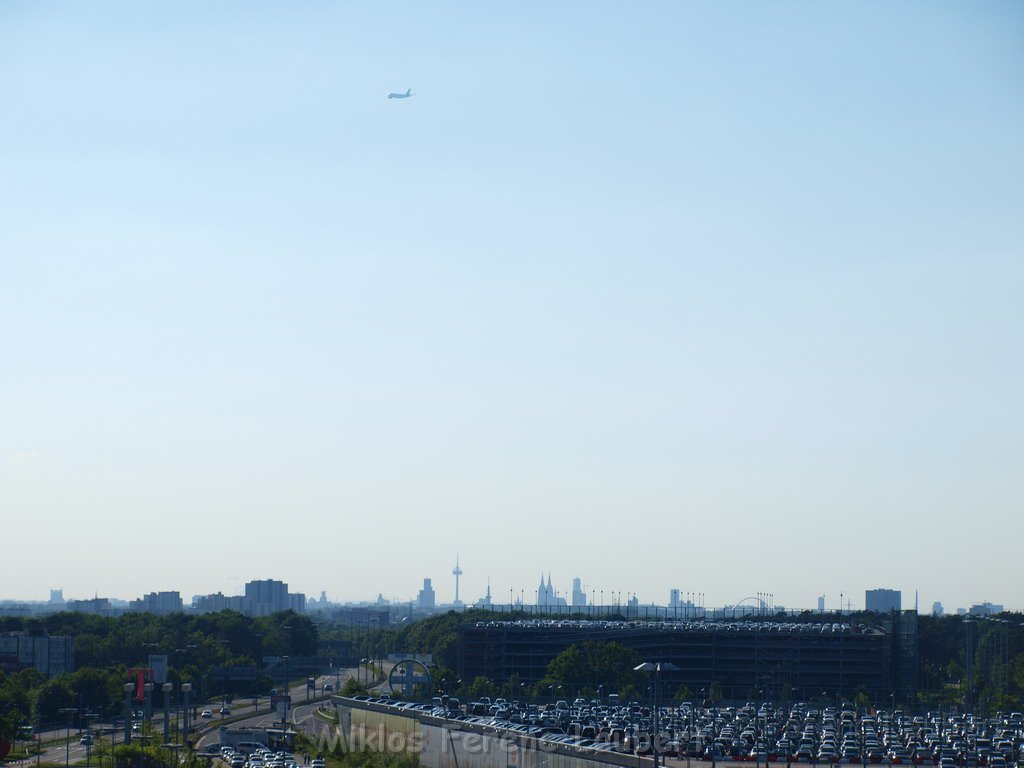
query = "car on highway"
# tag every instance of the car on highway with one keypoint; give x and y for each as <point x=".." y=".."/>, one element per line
<point x="225" y="711"/>
<point x="206" y="714"/>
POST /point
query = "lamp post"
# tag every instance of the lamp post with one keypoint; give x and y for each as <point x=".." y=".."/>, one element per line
<point x="689" y="732"/>
<point x="148" y="711"/>
<point x="128" y="688"/>
<point x="87" y="740"/>
<point x="186" y="689"/>
<point x="288" y="696"/>
<point x="167" y="688"/>
<point x="287" y="686"/>
<point x="67" y="734"/>
<point x="657" y="667"/>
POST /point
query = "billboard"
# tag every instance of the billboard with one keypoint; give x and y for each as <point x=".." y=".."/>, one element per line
<point x="158" y="663"/>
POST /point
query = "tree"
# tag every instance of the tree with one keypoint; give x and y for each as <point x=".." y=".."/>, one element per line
<point x="716" y="692"/>
<point x="683" y="693"/>
<point x="594" y="665"/>
<point x="353" y="687"/>
<point x="480" y="687"/>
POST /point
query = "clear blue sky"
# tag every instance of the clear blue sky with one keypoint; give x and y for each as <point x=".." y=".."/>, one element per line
<point x="723" y="296"/>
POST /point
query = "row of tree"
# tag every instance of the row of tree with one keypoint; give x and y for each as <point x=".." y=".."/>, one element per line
<point x="106" y="647"/>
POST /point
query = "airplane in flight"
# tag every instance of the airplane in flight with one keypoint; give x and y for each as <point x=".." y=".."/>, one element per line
<point x="405" y="95"/>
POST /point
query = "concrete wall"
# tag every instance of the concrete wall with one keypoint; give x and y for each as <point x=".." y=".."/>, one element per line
<point x="455" y="744"/>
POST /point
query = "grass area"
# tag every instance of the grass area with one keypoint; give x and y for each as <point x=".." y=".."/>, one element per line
<point x="357" y="759"/>
<point x="327" y="717"/>
<point x="377" y="671"/>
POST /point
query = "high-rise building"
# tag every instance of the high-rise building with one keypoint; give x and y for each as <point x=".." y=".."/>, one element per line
<point x="97" y="605"/>
<point x="579" y="597"/>
<point x="883" y="600"/>
<point x="673" y="598"/>
<point x="219" y="602"/>
<point x="985" y="609"/>
<point x="49" y="655"/>
<point x="937" y="609"/>
<point x="425" y="600"/>
<point x="160" y="603"/>
<point x="263" y="598"/>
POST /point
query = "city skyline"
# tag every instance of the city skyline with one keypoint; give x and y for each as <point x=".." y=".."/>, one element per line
<point x="719" y="294"/>
<point x="554" y="597"/>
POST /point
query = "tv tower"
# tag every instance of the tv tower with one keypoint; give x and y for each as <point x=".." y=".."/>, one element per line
<point x="456" y="572"/>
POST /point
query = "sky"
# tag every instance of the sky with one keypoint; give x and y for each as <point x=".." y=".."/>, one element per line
<point x="726" y="297"/>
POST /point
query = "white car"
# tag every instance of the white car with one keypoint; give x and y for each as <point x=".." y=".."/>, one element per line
<point x="206" y="713"/>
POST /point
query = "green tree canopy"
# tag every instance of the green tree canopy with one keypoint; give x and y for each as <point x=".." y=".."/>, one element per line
<point x="595" y="665"/>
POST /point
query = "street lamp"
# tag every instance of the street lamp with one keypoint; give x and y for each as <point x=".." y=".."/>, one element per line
<point x="148" y="711"/>
<point x="657" y="667"/>
<point x="186" y="689"/>
<point x="87" y="740"/>
<point x="288" y="695"/>
<point x="67" y="734"/>
<point x="167" y="688"/>
<point x="128" y="688"/>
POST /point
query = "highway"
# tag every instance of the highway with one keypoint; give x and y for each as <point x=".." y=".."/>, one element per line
<point x="71" y="752"/>
<point x="301" y="717"/>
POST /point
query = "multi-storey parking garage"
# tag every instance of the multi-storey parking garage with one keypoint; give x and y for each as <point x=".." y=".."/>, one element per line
<point x="765" y="659"/>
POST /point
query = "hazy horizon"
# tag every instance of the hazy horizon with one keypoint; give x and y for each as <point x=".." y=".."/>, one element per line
<point x="723" y="297"/>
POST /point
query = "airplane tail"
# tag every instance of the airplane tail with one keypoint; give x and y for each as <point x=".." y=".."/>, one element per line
<point x="408" y="91"/>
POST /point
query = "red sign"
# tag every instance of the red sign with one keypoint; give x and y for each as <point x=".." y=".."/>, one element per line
<point x="5" y="748"/>
<point x="140" y="676"/>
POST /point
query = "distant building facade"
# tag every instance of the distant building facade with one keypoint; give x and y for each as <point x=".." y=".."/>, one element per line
<point x="426" y="599"/>
<point x="100" y="606"/>
<point x="218" y="602"/>
<point x="783" y="659"/>
<point x="579" y="597"/>
<point x="267" y="596"/>
<point x="261" y="598"/>
<point x="937" y="609"/>
<point x="48" y="654"/>
<point x="985" y="609"/>
<point x="883" y="600"/>
<point x="159" y="603"/>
